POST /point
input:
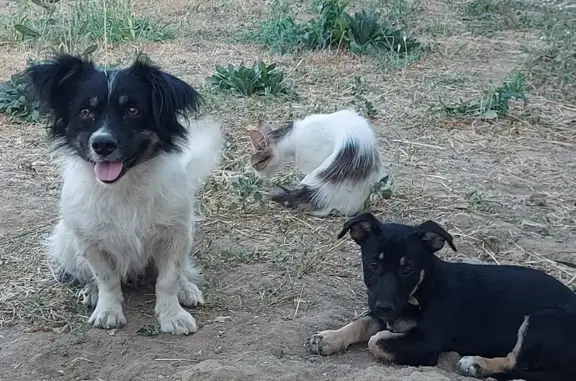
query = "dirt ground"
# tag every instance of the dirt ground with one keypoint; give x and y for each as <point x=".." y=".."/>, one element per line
<point x="505" y="189"/>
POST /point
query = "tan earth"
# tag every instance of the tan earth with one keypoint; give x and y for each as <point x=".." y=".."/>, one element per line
<point x="504" y="188"/>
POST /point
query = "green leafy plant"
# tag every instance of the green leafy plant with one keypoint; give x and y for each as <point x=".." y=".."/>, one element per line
<point x="367" y="33"/>
<point x="360" y="100"/>
<point x="259" y="79"/>
<point x="18" y="99"/>
<point x="382" y="190"/>
<point x="77" y="25"/>
<point x="496" y="102"/>
<point x="363" y="32"/>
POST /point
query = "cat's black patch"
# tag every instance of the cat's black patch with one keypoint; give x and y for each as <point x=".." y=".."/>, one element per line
<point x="350" y="164"/>
<point x="301" y="198"/>
<point x="280" y="133"/>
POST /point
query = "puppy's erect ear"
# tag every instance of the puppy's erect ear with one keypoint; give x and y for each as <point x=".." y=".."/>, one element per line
<point x="171" y="96"/>
<point x="54" y="81"/>
<point x="361" y="227"/>
<point x="434" y="236"/>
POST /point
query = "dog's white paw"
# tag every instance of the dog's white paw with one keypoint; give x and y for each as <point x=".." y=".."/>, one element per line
<point x="467" y="366"/>
<point x="89" y="295"/>
<point x="177" y="322"/>
<point x="189" y="294"/>
<point x="107" y="315"/>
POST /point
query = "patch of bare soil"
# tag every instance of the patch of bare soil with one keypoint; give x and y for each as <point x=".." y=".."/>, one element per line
<point x="505" y="189"/>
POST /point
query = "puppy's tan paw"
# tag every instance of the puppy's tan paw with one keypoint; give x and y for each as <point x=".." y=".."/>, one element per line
<point x="325" y="343"/>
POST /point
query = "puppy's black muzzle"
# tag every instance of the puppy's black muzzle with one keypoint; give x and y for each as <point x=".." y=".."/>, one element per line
<point x="382" y="297"/>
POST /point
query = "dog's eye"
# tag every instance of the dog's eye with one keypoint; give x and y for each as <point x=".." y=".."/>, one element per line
<point x="132" y="111"/>
<point x="407" y="270"/>
<point x="373" y="266"/>
<point x="85" y="113"/>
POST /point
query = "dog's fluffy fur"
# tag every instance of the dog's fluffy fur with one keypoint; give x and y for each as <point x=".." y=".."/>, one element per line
<point x="132" y="164"/>
<point x="508" y="322"/>
<point x="337" y="152"/>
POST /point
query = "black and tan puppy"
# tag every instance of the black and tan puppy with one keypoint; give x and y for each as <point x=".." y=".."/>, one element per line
<point x="509" y="322"/>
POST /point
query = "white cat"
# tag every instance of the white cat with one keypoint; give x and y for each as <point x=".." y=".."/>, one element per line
<point x="338" y="152"/>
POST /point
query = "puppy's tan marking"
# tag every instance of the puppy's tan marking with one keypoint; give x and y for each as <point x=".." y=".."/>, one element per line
<point x="402" y="261"/>
<point x="402" y="325"/>
<point x="123" y="100"/>
<point x="331" y="341"/>
<point x="377" y="345"/>
<point x="93" y="101"/>
<point x="422" y="274"/>
<point x="477" y="366"/>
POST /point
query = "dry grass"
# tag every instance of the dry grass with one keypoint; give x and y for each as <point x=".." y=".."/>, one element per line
<point x="506" y="189"/>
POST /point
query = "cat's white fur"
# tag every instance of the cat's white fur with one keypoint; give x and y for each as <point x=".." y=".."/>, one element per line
<point x="110" y="232"/>
<point x="312" y="146"/>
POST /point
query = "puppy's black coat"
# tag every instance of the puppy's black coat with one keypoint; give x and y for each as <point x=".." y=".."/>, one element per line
<point x="511" y="321"/>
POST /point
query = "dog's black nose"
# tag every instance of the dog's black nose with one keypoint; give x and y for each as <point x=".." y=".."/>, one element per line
<point x="384" y="308"/>
<point x="104" y="144"/>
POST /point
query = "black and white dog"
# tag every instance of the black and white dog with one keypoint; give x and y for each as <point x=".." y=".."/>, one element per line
<point x="132" y="163"/>
<point x="509" y="322"/>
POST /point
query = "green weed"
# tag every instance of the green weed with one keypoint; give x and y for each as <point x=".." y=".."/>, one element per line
<point x="18" y="99"/>
<point x="496" y="102"/>
<point x="259" y="79"/>
<point x="362" y="32"/>
<point x="77" y="25"/>
<point x="362" y="103"/>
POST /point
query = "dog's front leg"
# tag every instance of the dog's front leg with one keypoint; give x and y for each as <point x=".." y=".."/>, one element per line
<point x="419" y="346"/>
<point x="410" y="348"/>
<point x="108" y="312"/>
<point x="171" y="259"/>
<point x="331" y="341"/>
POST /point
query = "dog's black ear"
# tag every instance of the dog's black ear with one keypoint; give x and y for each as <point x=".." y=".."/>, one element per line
<point x="170" y="95"/>
<point x="434" y="236"/>
<point x="54" y="81"/>
<point x="361" y="227"/>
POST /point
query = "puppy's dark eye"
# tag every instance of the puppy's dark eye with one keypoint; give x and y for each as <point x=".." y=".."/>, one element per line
<point x="407" y="270"/>
<point x="373" y="266"/>
<point x="85" y="113"/>
<point x="132" y="111"/>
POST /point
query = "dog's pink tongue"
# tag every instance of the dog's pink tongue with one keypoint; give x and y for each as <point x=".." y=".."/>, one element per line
<point x="108" y="170"/>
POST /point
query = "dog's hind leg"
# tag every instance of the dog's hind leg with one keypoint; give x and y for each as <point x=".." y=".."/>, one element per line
<point x="477" y="366"/>
<point x="65" y="257"/>
<point x="547" y="350"/>
<point x="332" y="341"/>
<point x="69" y="266"/>
<point x="189" y="294"/>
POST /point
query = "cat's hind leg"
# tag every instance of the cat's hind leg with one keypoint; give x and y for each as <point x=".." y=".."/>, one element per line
<point x="302" y="198"/>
